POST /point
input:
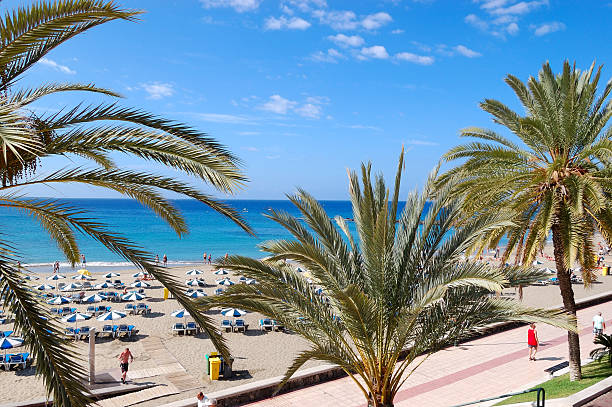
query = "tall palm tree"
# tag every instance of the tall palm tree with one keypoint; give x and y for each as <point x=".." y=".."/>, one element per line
<point x="92" y="133"/>
<point x="557" y="178"/>
<point x="391" y="292"/>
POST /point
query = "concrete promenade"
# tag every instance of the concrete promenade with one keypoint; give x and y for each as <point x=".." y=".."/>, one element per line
<point x="482" y="368"/>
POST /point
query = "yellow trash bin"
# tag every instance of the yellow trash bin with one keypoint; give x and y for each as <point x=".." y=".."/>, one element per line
<point x="166" y="293"/>
<point x="215" y="365"/>
<point x="605" y="270"/>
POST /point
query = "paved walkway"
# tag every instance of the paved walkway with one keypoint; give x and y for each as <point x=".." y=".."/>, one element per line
<point x="482" y="368"/>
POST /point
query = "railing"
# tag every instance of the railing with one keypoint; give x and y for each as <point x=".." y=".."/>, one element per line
<point x="539" y="390"/>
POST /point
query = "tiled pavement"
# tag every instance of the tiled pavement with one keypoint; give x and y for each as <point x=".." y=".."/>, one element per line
<point x="482" y="368"/>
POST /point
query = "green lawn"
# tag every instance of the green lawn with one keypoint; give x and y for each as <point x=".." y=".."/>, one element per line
<point x="559" y="387"/>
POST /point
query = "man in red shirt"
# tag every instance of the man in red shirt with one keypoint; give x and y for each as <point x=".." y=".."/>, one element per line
<point x="124" y="360"/>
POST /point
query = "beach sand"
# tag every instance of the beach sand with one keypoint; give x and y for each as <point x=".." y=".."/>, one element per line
<point x="258" y="355"/>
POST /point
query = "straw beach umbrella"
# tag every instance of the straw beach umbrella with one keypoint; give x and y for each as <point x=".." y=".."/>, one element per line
<point x="194" y="272"/>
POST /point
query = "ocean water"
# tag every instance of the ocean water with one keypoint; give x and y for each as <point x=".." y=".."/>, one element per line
<point x="209" y="232"/>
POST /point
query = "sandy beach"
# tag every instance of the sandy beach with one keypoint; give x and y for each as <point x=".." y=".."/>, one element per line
<point x="258" y="355"/>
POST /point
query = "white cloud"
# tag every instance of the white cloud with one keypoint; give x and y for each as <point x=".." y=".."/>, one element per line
<point x="303" y="5"/>
<point x="309" y="110"/>
<point x="346" y="40"/>
<point x="519" y="8"/>
<point x="466" y="52"/>
<point x="331" y="55"/>
<point x="397" y="31"/>
<point x="238" y="5"/>
<point x="158" y="90"/>
<point x="58" y="67"/>
<point x="512" y="28"/>
<point x="278" y="104"/>
<point x="493" y="4"/>
<point x="476" y="21"/>
<point x="414" y="58"/>
<point x="548" y="28"/>
<point x="294" y="23"/>
<point x="416" y="142"/>
<point x="223" y="118"/>
<point x="375" y="21"/>
<point x="347" y="20"/>
<point x="249" y="148"/>
<point x="338" y="20"/>
<point x="376" y="51"/>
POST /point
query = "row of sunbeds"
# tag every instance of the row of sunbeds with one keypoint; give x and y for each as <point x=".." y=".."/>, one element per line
<point x="189" y="328"/>
<point x="112" y="331"/>
<point x="237" y="325"/>
<point x="15" y="360"/>
<point x="135" y="309"/>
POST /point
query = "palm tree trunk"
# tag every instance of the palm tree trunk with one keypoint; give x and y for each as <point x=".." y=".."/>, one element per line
<point x="567" y="293"/>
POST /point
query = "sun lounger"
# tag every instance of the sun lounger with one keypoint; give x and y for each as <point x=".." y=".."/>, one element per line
<point x="178" y="328"/>
<point x="240" y="326"/>
<point x="16" y="360"/>
<point x="71" y="333"/>
<point x="130" y="309"/>
<point x="91" y="309"/>
<point x="191" y="328"/>
<point x="84" y="332"/>
<point x="219" y="291"/>
<point x="87" y="286"/>
<point x="278" y="326"/>
<point x="227" y="325"/>
<point x="107" y="330"/>
<point x="143" y="309"/>
<point x="266" y="325"/>
<point x="124" y="330"/>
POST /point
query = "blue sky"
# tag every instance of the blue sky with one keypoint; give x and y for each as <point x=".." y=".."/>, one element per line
<point x="302" y="90"/>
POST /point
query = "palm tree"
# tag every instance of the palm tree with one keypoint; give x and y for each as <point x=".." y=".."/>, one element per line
<point x="605" y="350"/>
<point x="557" y="178"/>
<point x="92" y="134"/>
<point x="391" y="292"/>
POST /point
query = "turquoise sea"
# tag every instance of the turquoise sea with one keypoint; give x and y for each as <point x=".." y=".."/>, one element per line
<point x="208" y="231"/>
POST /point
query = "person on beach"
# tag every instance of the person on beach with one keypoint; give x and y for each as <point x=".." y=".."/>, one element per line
<point x="156" y="260"/>
<point x="165" y="260"/>
<point x="205" y="258"/>
<point x="201" y="399"/>
<point x="532" y="341"/>
<point x="56" y="267"/>
<point x="210" y="259"/>
<point x="598" y="325"/>
<point x="124" y="360"/>
<point x="83" y="261"/>
<point x="226" y="256"/>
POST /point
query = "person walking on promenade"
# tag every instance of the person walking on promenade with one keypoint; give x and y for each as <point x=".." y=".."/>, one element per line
<point x="124" y="360"/>
<point x="532" y="341"/>
<point x="165" y="260"/>
<point x="598" y="325"/>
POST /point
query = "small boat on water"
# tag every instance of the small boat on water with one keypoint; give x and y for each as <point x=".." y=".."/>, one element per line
<point x="245" y="210"/>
